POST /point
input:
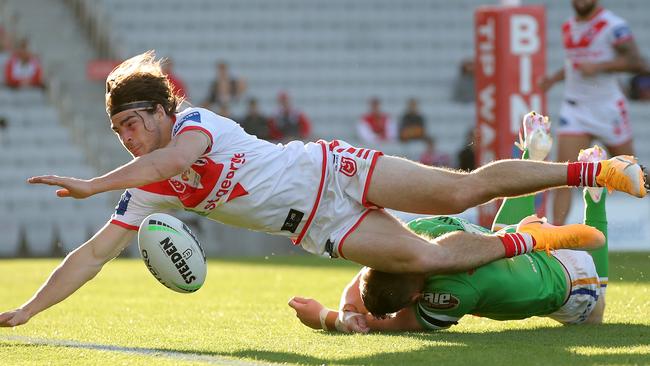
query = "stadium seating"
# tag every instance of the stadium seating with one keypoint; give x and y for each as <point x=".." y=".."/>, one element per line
<point x="331" y="56"/>
<point x="34" y="221"/>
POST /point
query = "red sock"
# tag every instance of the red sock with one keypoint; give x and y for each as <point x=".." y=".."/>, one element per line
<point x="582" y="174"/>
<point x="517" y="243"/>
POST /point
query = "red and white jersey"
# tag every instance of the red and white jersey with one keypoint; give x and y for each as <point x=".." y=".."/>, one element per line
<point x="592" y="41"/>
<point x="240" y="180"/>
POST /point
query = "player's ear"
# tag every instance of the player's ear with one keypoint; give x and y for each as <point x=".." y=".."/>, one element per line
<point x="416" y="297"/>
<point x="159" y="112"/>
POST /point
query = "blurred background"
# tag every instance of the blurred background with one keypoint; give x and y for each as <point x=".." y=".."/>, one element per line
<point x="284" y="69"/>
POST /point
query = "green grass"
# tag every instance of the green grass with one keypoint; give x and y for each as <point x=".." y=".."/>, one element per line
<point x="241" y="314"/>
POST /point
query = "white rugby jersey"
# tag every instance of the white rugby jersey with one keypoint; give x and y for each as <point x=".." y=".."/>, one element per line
<point x="592" y="41"/>
<point x="240" y="180"/>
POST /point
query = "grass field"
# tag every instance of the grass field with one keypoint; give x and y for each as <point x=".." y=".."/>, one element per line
<point x="240" y="317"/>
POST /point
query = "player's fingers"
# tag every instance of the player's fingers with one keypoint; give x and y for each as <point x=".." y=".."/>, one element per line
<point x="63" y="193"/>
<point x="5" y="316"/>
<point x="38" y="179"/>
<point x="295" y="304"/>
<point x="302" y="300"/>
<point x="7" y="320"/>
<point x="51" y="180"/>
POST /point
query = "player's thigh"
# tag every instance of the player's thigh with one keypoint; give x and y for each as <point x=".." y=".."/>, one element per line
<point x="405" y="185"/>
<point x="382" y="242"/>
<point x="626" y="148"/>
<point x="569" y="146"/>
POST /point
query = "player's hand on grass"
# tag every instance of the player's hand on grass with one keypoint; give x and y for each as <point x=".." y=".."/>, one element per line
<point x="70" y="187"/>
<point x="354" y="322"/>
<point x="307" y="310"/>
<point x="14" y="318"/>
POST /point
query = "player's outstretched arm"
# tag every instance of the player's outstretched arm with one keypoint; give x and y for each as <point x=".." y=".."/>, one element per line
<point x="155" y="166"/>
<point x="77" y="268"/>
<point x="316" y="316"/>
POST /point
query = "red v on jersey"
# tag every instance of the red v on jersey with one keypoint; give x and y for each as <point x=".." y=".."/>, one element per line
<point x="237" y="191"/>
<point x="585" y="38"/>
<point x="188" y="192"/>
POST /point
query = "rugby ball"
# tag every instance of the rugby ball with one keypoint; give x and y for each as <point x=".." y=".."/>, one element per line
<point x="172" y="253"/>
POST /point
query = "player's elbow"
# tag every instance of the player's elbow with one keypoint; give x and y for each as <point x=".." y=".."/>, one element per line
<point x="172" y="165"/>
<point x="180" y="163"/>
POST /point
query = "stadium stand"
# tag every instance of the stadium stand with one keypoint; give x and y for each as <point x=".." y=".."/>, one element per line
<point x="331" y="56"/>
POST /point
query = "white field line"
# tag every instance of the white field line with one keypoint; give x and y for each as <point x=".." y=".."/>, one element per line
<point x="193" y="357"/>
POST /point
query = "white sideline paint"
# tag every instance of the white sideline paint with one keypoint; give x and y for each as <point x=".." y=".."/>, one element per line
<point x="182" y="356"/>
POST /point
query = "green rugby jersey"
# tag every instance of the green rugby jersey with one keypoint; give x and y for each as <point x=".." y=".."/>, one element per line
<point x="513" y="288"/>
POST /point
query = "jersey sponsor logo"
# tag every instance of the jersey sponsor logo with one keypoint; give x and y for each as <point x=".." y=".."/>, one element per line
<point x="123" y="205"/>
<point x="201" y="179"/>
<point x="348" y="166"/>
<point x="439" y="301"/>
<point x="194" y="117"/>
<point x="292" y="221"/>
<point x="178" y="187"/>
<point x="227" y="186"/>
<point x="189" y="178"/>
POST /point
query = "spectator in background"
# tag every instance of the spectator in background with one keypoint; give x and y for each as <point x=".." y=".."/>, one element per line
<point x="5" y="46"/>
<point x="177" y="84"/>
<point x="376" y="126"/>
<point x="288" y="123"/>
<point x="464" y="85"/>
<point x="412" y="124"/>
<point x="254" y="123"/>
<point x="431" y="156"/>
<point x="224" y="110"/>
<point x="3" y="130"/>
<point x="23" y="69"/>
<point x="224" y="89"/>
<point x="466" y="155"/>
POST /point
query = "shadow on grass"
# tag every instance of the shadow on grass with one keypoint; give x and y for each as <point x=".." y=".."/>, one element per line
<point x="541" y="346"/>
<point x="610" y="343"/>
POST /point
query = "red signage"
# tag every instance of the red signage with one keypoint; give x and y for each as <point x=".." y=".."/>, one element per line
<point x="510" y="56"/>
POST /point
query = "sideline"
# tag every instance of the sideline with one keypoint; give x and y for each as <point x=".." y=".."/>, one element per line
<point x="182" y="356"/>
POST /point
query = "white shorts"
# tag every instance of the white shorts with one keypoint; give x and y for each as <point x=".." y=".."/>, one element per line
<point x="606" y="120"/>
<point x="344" y="203"/>
<point x="585" y="287"/>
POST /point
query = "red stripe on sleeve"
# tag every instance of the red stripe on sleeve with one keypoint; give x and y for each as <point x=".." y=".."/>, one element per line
<point x="198" y="128"/>
<point x="124" y="225"/>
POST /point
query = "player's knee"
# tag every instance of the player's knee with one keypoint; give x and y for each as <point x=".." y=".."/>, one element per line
<point x="461" y="199"/>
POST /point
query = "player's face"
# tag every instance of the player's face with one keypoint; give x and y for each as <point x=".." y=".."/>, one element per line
<point x="137" y="130"/>
<point x="584" y="7"/>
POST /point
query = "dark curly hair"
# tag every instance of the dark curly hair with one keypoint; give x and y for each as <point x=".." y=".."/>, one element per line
<point x="385" y="293"/>
<point x="140" y="78"/>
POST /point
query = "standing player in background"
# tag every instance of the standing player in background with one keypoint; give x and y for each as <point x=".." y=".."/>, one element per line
<point x="598" y="44"/>
<point x="325" y="196"/>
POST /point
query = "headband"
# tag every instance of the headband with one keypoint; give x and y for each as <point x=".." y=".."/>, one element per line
<point x="131" y="105"/>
